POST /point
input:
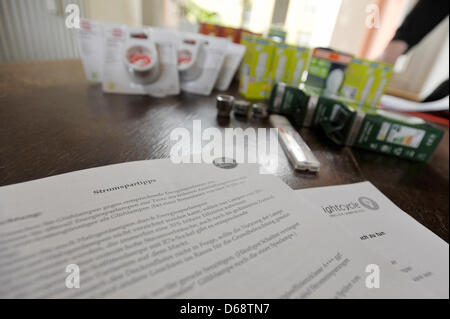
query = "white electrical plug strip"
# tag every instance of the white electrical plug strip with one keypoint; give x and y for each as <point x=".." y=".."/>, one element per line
<point x="298" y="152"/>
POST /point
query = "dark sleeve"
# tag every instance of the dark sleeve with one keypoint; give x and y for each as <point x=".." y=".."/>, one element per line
<point x="425" y="15"/>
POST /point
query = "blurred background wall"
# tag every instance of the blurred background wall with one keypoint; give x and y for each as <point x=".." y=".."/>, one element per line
<point x="35" y="30"/>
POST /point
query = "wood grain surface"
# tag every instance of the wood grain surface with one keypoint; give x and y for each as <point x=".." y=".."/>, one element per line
<point x="52" y="121"/>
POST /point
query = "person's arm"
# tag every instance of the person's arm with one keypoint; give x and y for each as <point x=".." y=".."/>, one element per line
<point x="423" y="18"/>
<point x="394" y="49"/>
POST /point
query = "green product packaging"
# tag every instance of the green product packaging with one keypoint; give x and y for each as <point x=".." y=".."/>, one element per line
<point x="326" y="70"/>
<point x="277" y="33"/>
<point x="382" y="74"/>
<point x="364" y="83"/>
<point x="281" y="62"/>
<point x="286" y="99"/>
<point x="297" y="66"/>
<point x="358" y="81"/>
<point x="380" y="131"/>
<point x="311" y="90"/>
<point x="255" y="78"/>
<point x="398" y="135"/>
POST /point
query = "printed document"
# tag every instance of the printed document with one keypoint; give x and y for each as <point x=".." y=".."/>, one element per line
<point x="372" y="219"/>
<point x="154" y="229"/>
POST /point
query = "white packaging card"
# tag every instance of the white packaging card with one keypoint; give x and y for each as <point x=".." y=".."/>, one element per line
<point x="160" y="230"/>
<point x="116" y="78"/>
<point x="210" y="59"/>
<point x="373" y="220"/>
<point x="233" y="58"/>
<point x="141" y="61"/>
<point x="91" y="43"/>
<point x="168" y="82"/>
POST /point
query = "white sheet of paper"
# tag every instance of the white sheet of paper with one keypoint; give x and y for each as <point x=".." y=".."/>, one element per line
<point x="371" y="218"/>
<point x="159" y="230"/>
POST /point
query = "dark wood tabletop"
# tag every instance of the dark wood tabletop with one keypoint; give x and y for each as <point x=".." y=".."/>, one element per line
<point x="53" y="121"/>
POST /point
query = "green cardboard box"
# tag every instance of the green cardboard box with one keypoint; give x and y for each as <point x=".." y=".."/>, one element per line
<point x="398" y="135"/>
<point x="385" y="132"/>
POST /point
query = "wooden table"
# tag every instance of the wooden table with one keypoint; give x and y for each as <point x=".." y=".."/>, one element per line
<point x="52" y="121"/>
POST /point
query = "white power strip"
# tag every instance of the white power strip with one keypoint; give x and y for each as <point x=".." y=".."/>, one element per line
<point x="298" y="152"/>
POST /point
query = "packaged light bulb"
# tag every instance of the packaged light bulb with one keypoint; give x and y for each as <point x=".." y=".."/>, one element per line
<point x="297" y="66"/>
<point x="365" y="82"/>
<point x="366" y="89"/>
<point x="233" y="59"/>
<point x="256" y="72"/>
<point x="279" y="71"/>
<point x="140" y="61"/>
<point x="382" y="75"/>
<point x="326" y="70"/>
<point x="91" y="43"/>
<point x="281" y="61"/>
<point x="200" y="59"/>
<point x="261" y="66"/>
<point x="289" y="63"/>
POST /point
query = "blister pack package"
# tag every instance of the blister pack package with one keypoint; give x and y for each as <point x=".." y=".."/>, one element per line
<point x="233" y="58"/>
<point x="200" y="59"/>
<point x="140" y="61"/>
<point x="91" y="43"/>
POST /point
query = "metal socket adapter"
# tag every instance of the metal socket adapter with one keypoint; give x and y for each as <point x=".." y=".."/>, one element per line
<point x="260" y="111"/>
<point x="224" y="105"/>
<point x="241" y="108"/>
